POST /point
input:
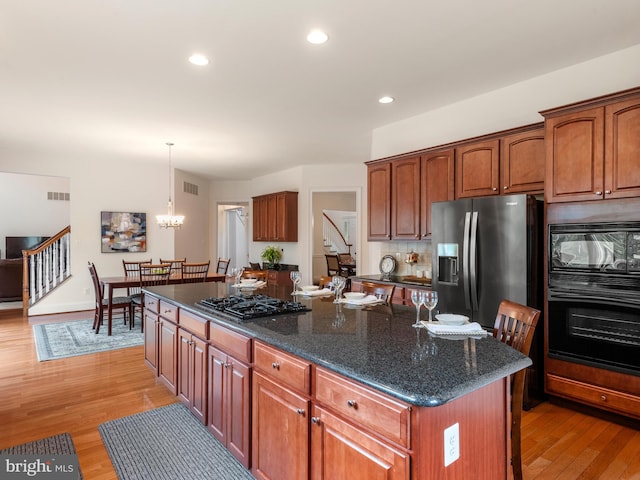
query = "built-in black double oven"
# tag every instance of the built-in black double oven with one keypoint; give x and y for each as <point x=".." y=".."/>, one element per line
<point x="593" y="294"/>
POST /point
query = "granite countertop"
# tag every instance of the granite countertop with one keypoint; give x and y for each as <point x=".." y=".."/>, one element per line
<point x="376" y="346"/>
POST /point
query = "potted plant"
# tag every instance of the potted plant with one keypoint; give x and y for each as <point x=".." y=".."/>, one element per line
<point x="271" y="255"/>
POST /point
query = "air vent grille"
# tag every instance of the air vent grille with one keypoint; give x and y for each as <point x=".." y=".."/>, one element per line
<point x="190" y="188"/>
<point x="64" y="196"/>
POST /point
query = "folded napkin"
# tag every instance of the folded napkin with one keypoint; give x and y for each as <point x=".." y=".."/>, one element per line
<point x="368" y="300"/>
<point x="315" y="293"/>
<point x="471" y="329"/>
<point x="258" y="284"/>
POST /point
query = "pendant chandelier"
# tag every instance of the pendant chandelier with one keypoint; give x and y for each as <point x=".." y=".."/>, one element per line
<point x="170" y="220"/>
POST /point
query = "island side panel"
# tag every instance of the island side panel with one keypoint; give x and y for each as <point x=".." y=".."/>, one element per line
<point x="484" y="424"/>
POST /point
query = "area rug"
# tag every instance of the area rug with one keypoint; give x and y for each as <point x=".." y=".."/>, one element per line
<point x="55" y="445"/>
<point x="168" y="443"/>
<point x="69" y="339"/>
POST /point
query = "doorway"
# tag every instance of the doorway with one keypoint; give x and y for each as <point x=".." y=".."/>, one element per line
<point x="233" y="234"/>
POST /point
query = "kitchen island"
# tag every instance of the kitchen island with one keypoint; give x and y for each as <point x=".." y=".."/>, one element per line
<point x="346" y="392"/>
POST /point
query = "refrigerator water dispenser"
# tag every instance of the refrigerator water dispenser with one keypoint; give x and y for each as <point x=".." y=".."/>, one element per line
<point x="447" y="258"/>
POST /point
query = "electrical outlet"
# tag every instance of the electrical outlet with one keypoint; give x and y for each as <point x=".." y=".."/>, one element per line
<point x="451" y="444"/>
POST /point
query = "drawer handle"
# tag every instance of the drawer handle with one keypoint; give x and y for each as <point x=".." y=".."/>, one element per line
<point x="315" y="420"/>
<point x="227" y="365"/>
<point x="598" y="193"/>
<point x="603" y="398"/>
<point x="168" y="311"/>
<point x="607" y="192"/>
<point x="352" y="404"/>
<point x="300" y="411"/>
<point x="275" y="366"/>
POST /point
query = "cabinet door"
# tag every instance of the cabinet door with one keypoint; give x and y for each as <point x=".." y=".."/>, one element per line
<point x="575" y="156"/>
<point x="168" y="355"/>
<point x="238" y="411"/>
<point x="522" y="160"/>
<point x="437" y="184"/>
<point x="259" y="210"/>
<point x="280" y="432"/>
<point x="622" y="149"/>
<point x="477" y="169"/>
<point x="198" y="387"/>
<point x="286" y="217"/>
<point x="216" y="422"/>
<point x="340" y="451"/>
<point x="151" y="340"/>
<point x="185" y="372"/>
<point x="405" y="198"/>
<point x="379" y="201"/>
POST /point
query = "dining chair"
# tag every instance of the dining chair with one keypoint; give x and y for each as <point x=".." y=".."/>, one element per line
<point x="255" y="266"/>
<point x="150" y="274"/>
<point x="333" y="264"/>
<point x="223" y="265"/>
<point x="515" y="325"/>
<point x="347" y="264"/>
<point x="384" y="291"/>
<point x="102" y="303"/>
<point x="132" y="270"/>
<point x="258" y="274"/>
<point x="176" y="265"/>
<point x="325" y="282"/>
<point x="195" y="272"/>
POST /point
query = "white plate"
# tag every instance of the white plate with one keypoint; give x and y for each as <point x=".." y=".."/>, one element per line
<point x="451" y="319"/>
<point x="310" y="288"/>
<point x="248" y="281"/>
<point x="354" y="295"/>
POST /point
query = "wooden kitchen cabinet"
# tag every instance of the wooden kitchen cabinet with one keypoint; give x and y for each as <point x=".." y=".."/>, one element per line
<point x="437" y="182"/>
<point x="168" y="354"/>
<point x="275" y="217"/>
<point x="405" y="198"/>
<point x="161" y="340"/>
<point x="229" y="395"/>
<point x="379" y="201"/>
<point x="478" y="169"/>
<point x="192" y="373"/>
<point x="151" y="324"/>
<point x="592" y="149"/>
<point x="522" y="162"/>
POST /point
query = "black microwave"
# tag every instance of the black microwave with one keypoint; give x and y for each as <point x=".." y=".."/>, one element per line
<point x="598" y="248"/>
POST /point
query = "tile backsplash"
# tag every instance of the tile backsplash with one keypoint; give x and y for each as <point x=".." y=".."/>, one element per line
<point x="399" y="250"/>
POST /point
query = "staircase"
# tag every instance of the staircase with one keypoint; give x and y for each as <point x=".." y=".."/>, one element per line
<point x="333" y="239"/>
<point x="45" y="267"/>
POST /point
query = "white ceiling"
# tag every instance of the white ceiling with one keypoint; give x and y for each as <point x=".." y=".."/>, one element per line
<point x="111" y="77"/>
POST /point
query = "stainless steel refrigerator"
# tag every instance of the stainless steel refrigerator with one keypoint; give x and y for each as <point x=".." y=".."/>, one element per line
<point x="486" y="250"/>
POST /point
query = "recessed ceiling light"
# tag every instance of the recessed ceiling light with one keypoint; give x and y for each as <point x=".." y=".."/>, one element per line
<point x="386" y="99"/>
<point x="198" y="59"/>
<point x="317" y="37"/>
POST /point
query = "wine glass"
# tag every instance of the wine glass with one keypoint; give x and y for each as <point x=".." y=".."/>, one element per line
<point x="338" y="284"/>
<point x="239" y="272"/>
<point x="430" y="300"/>
<point x="415" y="299"/>
<point x="296" y="279"/>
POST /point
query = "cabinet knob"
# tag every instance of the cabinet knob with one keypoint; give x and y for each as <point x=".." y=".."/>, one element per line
<point x="227" y="365"/>
<point x="494" y="189"/>
<point x="506" y="187"/>
<point x="275" y="366"/>
<point x="300" y="411"/>
<point x="598" y="193"/>
<point x="315" y="420"/>
<point x="352" y="403"/>
<point x="607" y="192"/>
<point x="603" y="398"/>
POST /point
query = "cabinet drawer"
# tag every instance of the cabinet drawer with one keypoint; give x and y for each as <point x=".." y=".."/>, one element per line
<point x="151" y="303"/>
<point x="232" y="343"/>
<point x="600" y="397"/>
<point x="169" y="311"/>
<point x="363" y="406"/>
<point x="195" y="324"/>
<point x="283" y="367"/>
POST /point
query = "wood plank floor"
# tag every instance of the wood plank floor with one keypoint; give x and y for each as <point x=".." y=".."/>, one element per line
<point x="75" y="395"/>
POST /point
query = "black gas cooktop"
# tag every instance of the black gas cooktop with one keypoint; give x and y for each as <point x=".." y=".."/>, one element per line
<point x="246" y="307"/>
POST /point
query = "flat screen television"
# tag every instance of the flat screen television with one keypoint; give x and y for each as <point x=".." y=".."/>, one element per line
<point x="15" y="245"/>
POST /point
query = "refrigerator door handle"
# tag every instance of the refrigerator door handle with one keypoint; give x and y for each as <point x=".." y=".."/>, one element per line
<point x="465" y="260"/>
<point x="473" y="261"/>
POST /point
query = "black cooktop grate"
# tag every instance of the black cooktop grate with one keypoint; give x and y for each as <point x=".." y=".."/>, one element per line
<point x="245" y="307"/>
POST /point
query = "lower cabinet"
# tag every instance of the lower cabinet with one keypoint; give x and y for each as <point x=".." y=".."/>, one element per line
<point x="229" y="402"/>
<point x="151" y="325"/>
<point x="280" y="431"/>
<point x="339" y="450"/>
<point x="168" y="354"/>
<point x="192" y="373"/>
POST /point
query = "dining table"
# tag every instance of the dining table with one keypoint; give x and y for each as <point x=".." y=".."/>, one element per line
<point x="109" y="284"/>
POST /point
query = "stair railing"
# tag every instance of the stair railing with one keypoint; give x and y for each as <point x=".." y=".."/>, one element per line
<point x="332" y="234"/>
<point x="45" y="267"/>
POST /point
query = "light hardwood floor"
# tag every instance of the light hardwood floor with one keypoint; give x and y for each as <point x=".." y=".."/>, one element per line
<point x="75" y="395"/>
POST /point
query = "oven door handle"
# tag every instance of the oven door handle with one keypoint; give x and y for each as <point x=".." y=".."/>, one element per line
<point x="565" y="296"/>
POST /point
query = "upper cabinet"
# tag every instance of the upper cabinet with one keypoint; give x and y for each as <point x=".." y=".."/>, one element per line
<point x="593" y="149"/>
<point x="275" y="217"/>
<point x="401" y="191"/>
<point x="506" y="164"/>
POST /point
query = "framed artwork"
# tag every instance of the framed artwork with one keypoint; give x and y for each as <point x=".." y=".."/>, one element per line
<point x="123" y="232"/>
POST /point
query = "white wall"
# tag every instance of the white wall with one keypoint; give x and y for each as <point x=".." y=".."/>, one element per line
<point x="26" y="210"/>
<point x="192" y="239"/>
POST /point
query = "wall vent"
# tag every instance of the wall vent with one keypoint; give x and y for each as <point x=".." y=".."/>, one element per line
<point x="190" y="188"/>
<point x="64" y="196"/>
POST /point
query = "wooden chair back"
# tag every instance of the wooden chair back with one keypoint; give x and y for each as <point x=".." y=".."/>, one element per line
<point x="384" y="291"/>
<point x="258" y="274"/>
<point x="132" y="270"/>
<point x="155" y="274"/>
<point x="176" y="265"/>
<point x="123" y="303"/>
<point x="223" y="265"/>
<point x="515" y="325"/>
<point x="195" y="272"/>
<point x="333" y="265"/>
